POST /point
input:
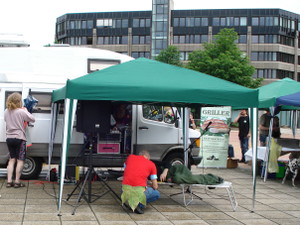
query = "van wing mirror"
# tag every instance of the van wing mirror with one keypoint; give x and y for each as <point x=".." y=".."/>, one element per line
<point x="176" y="120"/>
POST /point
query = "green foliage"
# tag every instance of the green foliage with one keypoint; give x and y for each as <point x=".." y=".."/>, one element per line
<point x="223" y="59"/>
<point x="170" y="55"/>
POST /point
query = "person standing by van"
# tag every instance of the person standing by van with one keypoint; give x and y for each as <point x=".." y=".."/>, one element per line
<point x="16" y="117"/>
<point x="244" y="127"/>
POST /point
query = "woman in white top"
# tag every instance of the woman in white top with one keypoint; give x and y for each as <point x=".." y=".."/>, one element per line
<point x="16" y="119"/>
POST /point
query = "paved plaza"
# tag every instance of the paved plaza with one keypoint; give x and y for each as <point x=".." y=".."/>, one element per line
<point x="37" y="204"/>
<point x="275" y="203"/>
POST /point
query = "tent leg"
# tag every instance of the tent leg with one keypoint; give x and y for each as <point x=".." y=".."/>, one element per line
<point x="253" y="120"/>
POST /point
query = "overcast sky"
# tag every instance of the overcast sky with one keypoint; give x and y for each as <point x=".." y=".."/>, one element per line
<point x="35" y="19"/>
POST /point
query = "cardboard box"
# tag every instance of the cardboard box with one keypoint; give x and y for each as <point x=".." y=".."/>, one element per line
<point x="232" y="163"/>
<point x="72" y="173"/>
<point x="108" y="148"/>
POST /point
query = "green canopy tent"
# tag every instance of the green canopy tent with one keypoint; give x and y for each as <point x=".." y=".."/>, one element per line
<point x="267" y="99"/>
<point x="148" y="81"/>
<point x="270" y="92"/>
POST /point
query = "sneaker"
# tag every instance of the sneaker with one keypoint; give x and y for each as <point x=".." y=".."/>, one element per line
<point x="138" y="210"/>
<point x="126" y="206"/>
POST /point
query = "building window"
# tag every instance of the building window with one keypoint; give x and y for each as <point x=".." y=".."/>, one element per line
<point x="243" y="21"/>
<point x="229" y="21"/>
<point x="136" y="40"/>
<point x="83" y="24"/>
<point x="104" y="23"/>
<point x="141" y="22"/>
<point x="265" y="21"/>
<point x="255" y="21"/>
<point x="223" y="22"/>
<point x="135" y="23"/>
<point x="286" y="40"/>
<point x="272" y="56"/>
<point x="273" y="74"/>
<point x="254" y="56"/>
<point x="265" y="73"/>
<point x="90" y="24"/>
<point x="140" y="54"/>
<point x="190" y="39"/>
<point x="182" y="22"/>
<point x="242" y="39"/>
<point x="216" y="21"/>
<point x="80" y="24"/>
<point x="72" y="24"/>
<point x="256" y="39"/>
<point x="184" y="56"/>
<point x="190" y="22"/>
<point x="176" y="22"/>
<point x="204" y="21"/>
<point x="287" y="24"/>
<point x="112" y="40"/>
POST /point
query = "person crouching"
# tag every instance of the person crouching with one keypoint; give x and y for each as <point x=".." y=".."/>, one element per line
<point x="134" y="186"/>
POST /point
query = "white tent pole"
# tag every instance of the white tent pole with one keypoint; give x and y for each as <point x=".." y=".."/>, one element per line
<point x="185" y="130"/>
<point x="51" y="136"/>
<point x="294" y="122"/>
<point x="266" y="161"/>
<point x="253" y="119"/>
<point x="70" y="108"/>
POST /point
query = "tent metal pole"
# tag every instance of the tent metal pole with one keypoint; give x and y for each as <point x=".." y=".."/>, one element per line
<point x="70" y="108"/>
<point x="51" y="136"/>
<point x="185" y="130"/>
<point x="294" y="122"/>
<point x="253" y="120"/>
<point x="266" y="161"/>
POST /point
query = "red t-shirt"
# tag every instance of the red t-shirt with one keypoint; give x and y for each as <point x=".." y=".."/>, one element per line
<point x="137" y="170"/>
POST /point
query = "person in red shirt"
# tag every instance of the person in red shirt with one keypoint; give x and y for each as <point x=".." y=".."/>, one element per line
<point x="137" y="170"/>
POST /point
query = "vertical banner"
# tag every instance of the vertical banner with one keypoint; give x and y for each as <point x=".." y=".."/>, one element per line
<point x="215" y="127"/>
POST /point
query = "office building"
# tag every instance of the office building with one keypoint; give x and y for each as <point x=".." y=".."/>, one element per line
<point x="270" y="37"/>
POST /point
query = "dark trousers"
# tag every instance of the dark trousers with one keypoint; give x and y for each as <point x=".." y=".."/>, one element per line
<point x="244" y="142"/>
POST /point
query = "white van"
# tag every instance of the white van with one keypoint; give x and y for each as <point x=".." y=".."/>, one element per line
<point x="39" y="71"/>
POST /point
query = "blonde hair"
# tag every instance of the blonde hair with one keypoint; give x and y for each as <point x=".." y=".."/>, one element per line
<point x="14" y="101"/>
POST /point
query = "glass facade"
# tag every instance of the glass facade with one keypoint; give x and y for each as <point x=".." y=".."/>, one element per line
<point x="261" y="32"/>
<point x="160" y="26"/>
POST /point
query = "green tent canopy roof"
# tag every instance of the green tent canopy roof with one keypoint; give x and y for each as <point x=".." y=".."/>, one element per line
<point x="145" y="80"/>
<point x="270" y="92"/>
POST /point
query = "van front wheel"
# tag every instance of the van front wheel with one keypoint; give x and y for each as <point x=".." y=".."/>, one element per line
<point x="32" y="168"/>
<point x="176" y="159"/>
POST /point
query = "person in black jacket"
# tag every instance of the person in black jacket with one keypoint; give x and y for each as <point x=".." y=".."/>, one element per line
<point x="244" y="127"/>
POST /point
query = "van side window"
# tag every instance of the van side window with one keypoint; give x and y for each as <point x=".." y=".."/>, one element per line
<point x="152" y="112"/>
<point x="100" y="64"/>
<point x="169" y="116"/>
<point x="44" y="104"/>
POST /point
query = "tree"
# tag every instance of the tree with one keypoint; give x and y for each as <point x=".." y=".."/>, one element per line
<point x="223" y="59"/>
<point x="170" y="55"/>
